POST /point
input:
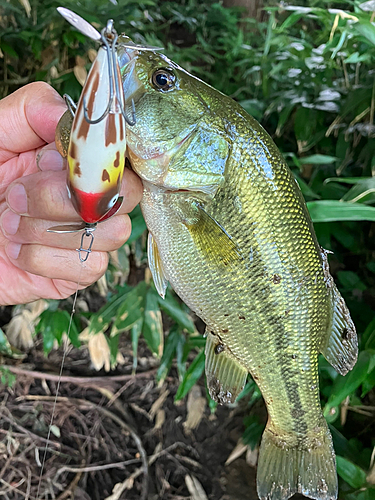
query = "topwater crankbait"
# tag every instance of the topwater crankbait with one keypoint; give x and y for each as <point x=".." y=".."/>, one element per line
<point x="95" y="146"/>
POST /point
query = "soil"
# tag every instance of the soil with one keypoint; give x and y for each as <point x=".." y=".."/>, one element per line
<point x="106" y="430"/>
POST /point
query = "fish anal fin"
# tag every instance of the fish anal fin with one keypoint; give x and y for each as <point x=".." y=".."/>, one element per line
<point x="212" y="240"/>
<point x="156" y="266"/>
<point x="226" y="377"/>
<point x="340" y="348"/>
<point x="308" y="468"/>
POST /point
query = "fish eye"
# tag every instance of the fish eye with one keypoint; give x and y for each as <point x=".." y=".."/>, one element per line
<point x="163" y="79"/>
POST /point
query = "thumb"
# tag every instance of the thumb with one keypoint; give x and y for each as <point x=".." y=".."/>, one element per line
<point x="28" y="117"/>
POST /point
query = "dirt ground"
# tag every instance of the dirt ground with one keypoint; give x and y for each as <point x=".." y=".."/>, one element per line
<point x="116" y="436"/>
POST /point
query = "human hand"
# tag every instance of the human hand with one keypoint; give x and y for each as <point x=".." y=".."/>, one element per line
<point x="34" y="263"/>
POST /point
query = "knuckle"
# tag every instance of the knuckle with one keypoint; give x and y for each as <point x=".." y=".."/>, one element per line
<point x="97" y="263"/>
<point x="123" y="229"/>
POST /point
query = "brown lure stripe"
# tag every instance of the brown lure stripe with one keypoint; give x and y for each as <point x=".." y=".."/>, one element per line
<point x="105" y="176"/>
<point x="77" y="171"/>
<point x="121" y="128"/>
<point x="116" y="163"/>
<point x="73" y="150"/>
<point x="110" y="130"/>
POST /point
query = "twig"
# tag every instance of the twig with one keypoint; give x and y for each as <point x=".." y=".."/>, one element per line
<point x="94" y="468"/>
<point x="78" y="380"/>
<point x="84" y="404"/>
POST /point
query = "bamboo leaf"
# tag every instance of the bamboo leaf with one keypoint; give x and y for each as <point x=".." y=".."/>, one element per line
<point x="333" y="210"/>
<point x="192" y="375"/>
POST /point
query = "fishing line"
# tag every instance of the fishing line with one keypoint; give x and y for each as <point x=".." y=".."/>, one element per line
<point x="65" y="350"/>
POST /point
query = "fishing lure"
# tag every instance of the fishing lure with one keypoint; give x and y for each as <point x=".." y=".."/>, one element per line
<point x="92" y="135"/>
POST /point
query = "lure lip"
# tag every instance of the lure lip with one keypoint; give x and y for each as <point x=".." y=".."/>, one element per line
<point x="79" y="23"/>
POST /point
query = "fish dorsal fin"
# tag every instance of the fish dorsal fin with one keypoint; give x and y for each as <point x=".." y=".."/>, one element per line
<point x="340" y="347"/>
<point x="226" y="377"/>
<point x="213" y="240"/>
<point x="156" y="267"/>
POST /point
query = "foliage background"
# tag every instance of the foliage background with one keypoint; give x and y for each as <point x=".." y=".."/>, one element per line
<point x="306" y="72"/>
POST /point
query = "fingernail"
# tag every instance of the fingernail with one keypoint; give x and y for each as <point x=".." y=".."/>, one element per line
<point x="17" y="199"/>
<point x="13" y="250"/>
<point x="10" y="222"/>
<point x="49" y="159"/>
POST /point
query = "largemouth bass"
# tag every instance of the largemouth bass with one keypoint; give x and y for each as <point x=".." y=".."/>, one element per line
<point x="230" y="231"/>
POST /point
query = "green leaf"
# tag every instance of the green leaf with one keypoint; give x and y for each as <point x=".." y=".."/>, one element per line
<point x="368" y="383"/>
<point x="304" y="124"/>
<point x="318" y="159"/>
<point x="350" y="280"/>
<point x="53" y="325"/>
<point x="333" y="210"/>
<point x="138" y="228"/>
<point x="131" y="309"/>
<point x="351" y="473"/>
<point x="191" y="377"/>
<point x="172" y="341"/>
<point x="368" y="337"/>
<point x="367" y="30"/>
<point x="135" y="333"/>
<point x="5" y="347"/>
<point x="305" y="188"/>
<point x="175" y="310"/>
<point x="100" y="320"/>
<point x="363" y="191"/>
<point x="153" y="325"/>
<point x="344" y="386"/>
<point x="253" y="431"/>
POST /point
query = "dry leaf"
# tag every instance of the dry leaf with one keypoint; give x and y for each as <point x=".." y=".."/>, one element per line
<point x="26" y="6"/>
<point x="92" y="53"/>
<point x="159" y="420"/>
<point x="100" y="353"/>
<point x="196" y="405"/>
<point x="238" y="450"/>
<point x="53" y="72"/>
<point x="80" y="61"/>
<point x="252" y="456"/>
<point x="103" y="286"/>
<point x="21" y="327"/>
<point x="80" y="73"/>
<point x="195" y="488"/>
<point x="371" y="475"/>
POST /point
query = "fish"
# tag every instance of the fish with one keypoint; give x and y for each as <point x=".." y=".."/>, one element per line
<point x="229" y="230"/>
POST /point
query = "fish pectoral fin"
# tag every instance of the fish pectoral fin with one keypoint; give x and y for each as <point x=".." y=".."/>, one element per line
<point x="156" y="266"/>
<point x="226" y="377"/>
<point x="340" y="347"/>
<point x="212" y="239"/>
<point x="308" y="468"/>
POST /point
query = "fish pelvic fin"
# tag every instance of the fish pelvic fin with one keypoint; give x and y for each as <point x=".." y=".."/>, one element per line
<point x="308" y="468"/>
<point x="340" y="347"/>
<point x="226" y="377"/>
<point x="156" y="266"/>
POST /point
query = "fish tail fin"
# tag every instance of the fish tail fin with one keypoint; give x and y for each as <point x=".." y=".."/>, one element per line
<point x="310" y="470"/>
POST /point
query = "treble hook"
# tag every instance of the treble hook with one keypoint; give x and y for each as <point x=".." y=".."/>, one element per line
<point x="72" y="106"/>
<point x="89" y="229"/>
<point x="109" y="33"/>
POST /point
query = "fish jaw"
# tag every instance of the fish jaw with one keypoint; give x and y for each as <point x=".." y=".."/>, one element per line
<point x="171" y="127"/>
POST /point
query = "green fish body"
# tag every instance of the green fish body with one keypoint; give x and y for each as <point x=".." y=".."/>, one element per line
<point x="230" y="231"/>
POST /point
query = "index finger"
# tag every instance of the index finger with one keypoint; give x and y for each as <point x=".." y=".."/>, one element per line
<point x="28" y="118"/>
